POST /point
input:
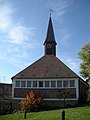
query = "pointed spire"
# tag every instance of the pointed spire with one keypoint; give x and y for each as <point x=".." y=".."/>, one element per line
<point x="50" y="33"/>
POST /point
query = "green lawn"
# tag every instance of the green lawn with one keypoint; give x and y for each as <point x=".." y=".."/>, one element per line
<point x="79" y="113"/>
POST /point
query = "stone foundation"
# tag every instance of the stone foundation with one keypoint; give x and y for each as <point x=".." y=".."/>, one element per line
<point x="60" y="103"/>
<point x="49" y="104"/>
<point x="5" y="106"/>
<point x="16" y="104"/>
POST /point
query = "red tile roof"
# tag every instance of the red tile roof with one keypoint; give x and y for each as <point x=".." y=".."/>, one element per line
<point x="48" y="66"/>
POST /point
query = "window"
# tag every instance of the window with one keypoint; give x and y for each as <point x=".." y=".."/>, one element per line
<point x="28" y="83"/>
<point x="47" y="84"/>
<point x="59" y="83"/>
<point x="34" y="83"/>
<point x="65" y="83"/>
<point x="53" y="83"/>
<point x="17" y="83"/>
<point x="23" y="83"/>
<point x="8" y="106"/>
<point x="40" y="83"/>
<point x="72" y="83"/>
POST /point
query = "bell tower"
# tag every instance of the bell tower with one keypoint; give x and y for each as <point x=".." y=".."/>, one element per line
<point x="50" y="43"/>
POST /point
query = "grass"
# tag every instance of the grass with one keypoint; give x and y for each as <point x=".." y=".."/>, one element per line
<point x="79" y="113"/>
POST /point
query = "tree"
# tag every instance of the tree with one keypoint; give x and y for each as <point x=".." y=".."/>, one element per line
<point x="84" y="55"/>
<point x="66" y="93"/>
<point x="31" y="102"/>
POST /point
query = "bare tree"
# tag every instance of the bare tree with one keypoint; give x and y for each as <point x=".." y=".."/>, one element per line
<point x="66" y="93"/>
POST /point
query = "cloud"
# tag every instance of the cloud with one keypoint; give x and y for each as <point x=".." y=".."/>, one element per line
<point x="58" y="7"/>
<point x="65" y="36"/>
<point x="18" y="38"/>
<point x="5" y="16"/>
<point x="73" y="63"/>
<point x="19" y="33"/>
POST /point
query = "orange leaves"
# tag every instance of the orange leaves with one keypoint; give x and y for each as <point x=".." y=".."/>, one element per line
<point x="32" y="99"/>
<point x="30" y="95"/>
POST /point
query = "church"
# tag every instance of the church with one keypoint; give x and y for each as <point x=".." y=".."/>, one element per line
<point x="50" y="77"/>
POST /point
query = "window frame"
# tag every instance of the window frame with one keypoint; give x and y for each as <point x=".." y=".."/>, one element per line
<point x="48" y="84"/>
<point x="34" y="84"/>
<point x="53" y="85"/>
<point x="61" y="84"/>
<point x="22" y="84"/>
<point x="66" y="84"/>
<point x="71" y="85"/>
<point x="16" y="84"/>
<point x="30" y="84"/>
<point x="42" y="86"/>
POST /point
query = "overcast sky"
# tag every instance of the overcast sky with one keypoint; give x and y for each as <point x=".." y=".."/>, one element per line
<point x="23" y="27"/>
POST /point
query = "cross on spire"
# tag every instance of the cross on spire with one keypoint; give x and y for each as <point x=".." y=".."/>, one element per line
<point x="50" y="12"/>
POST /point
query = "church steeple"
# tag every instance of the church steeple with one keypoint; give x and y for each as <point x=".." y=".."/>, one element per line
<point x="50" y="43"/>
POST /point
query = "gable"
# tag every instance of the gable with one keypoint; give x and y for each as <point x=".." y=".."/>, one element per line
<point x="48" y="66"/>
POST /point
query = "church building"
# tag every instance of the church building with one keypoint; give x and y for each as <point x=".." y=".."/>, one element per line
<point x="50" y="77"/>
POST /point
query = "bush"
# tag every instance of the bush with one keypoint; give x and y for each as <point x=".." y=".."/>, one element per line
<point x="32" y="102"/>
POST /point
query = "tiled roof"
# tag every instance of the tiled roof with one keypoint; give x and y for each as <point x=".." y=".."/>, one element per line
<point x="48" y="66"/>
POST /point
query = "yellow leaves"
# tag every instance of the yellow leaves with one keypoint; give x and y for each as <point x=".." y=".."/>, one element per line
<point x="31" y="99"/>
<point x="84" y="55"/>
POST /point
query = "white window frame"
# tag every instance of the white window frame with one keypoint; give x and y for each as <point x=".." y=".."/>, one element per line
<point x="16" y="82"/>
<point x="33" y="84"/>
<point x="49" y="84"/>
<point x="25" y="83"/>
<point x="67" y="84"/>
<point x="42" y="84"/>
<point x="74" y="84"/>
<point x="50" y="87"/>
<point x="55" y="83"/>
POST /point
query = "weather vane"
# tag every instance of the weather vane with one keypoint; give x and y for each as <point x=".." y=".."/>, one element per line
<point x="51" y="11"/>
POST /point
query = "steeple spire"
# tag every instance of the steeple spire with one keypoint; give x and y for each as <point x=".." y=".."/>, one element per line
<point x="50" y="43"/>
<point x="50" y="33"/>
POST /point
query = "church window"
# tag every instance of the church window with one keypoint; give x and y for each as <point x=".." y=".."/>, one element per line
<point x="59" y="83"/>
<point x="72" y="83"/>
<point x="23" y="83"/>
<point x="53" y="83"/>
<point x="34" y="83"/>
<point x="47" y="84"/>
<point x="28" y="83"/>
<point x="17" y="83"/>
<point x="65" y="83"/>
<point x="40" y="83"/>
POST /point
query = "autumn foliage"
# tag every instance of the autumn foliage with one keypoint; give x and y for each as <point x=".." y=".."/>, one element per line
<point x="84" y="55"/>
<point x="32" y="102"/>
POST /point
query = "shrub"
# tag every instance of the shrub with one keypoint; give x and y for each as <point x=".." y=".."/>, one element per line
<point x="32" y="102"/>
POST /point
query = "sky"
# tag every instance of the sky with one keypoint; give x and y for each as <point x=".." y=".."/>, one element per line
<point x="23" y="27"/>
